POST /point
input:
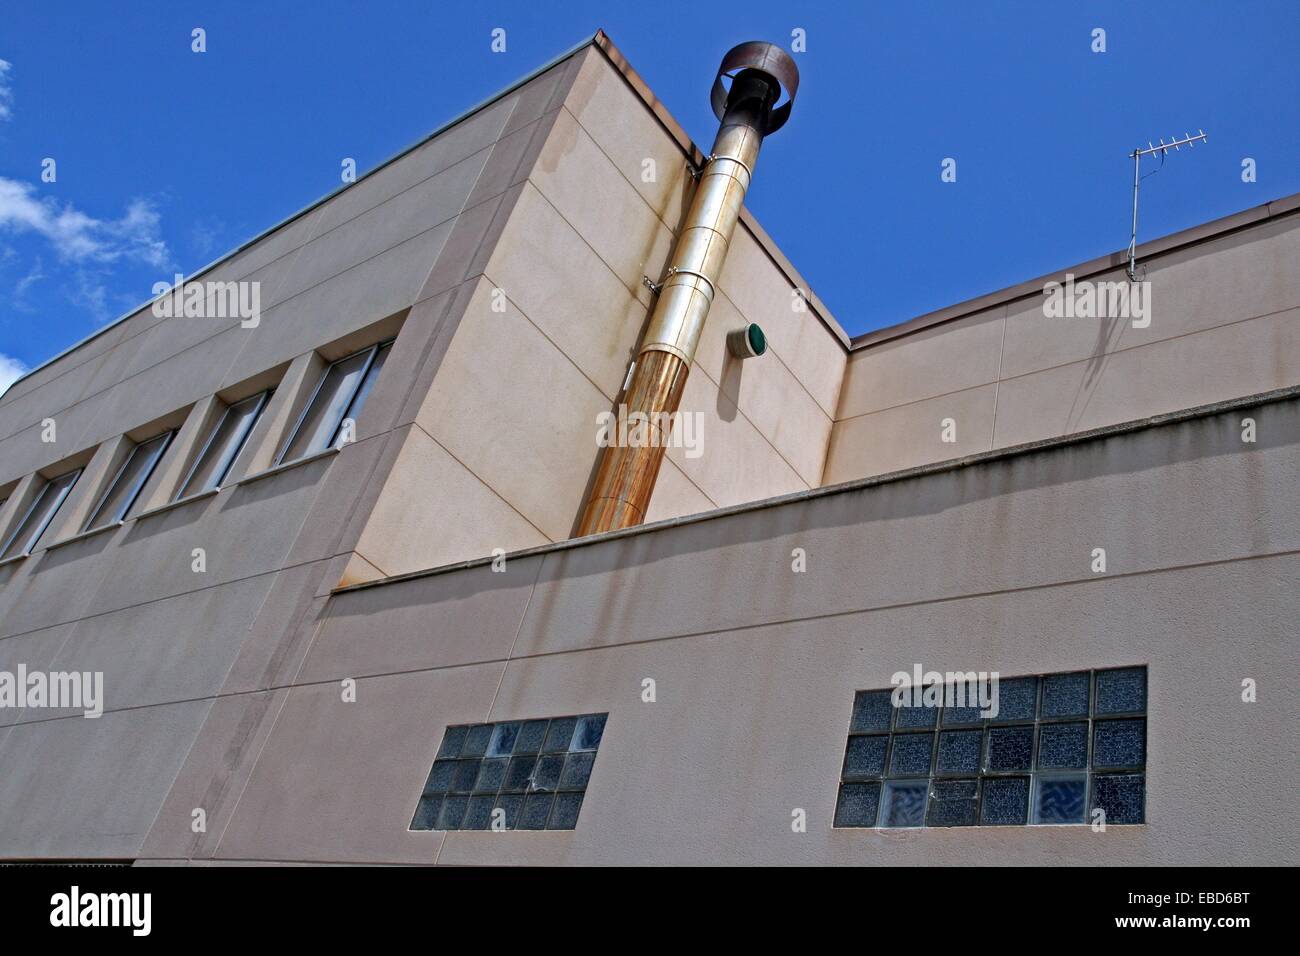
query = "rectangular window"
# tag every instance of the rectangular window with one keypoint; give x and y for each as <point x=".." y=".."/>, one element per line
<point x="223" y="445"/>
<point x="1061" y="747"/>
<point x="39" y="515"/>
<point x="338" y="398"/>
<point x="513" y="775"/>
<point x="128" y="482"/>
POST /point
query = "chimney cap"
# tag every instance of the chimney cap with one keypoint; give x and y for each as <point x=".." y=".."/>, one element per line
<point x="767" y="58"/>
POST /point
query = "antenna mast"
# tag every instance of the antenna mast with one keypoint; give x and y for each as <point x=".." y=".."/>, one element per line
<point x="1137" y="155"/>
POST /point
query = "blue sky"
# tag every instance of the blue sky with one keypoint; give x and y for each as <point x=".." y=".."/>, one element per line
<point x="167" y="158"/>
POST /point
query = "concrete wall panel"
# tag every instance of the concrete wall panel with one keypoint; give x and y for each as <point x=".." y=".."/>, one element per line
<point x="329" y="763"/>
<point x="131" y="757"/>
<point x="1224" y="307"/>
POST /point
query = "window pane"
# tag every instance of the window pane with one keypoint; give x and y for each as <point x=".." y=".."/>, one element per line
<point x="465" y="775"/>
<point x="577" y="770"/>
<point x="1063" y="746"/>
<point x="871" y="711"/>
<point x="479" y="814"/>
<point x="40" y="514"/>
<point x="537" y="810"/>
<point x="1010" y="748"/>
<point x="223" y="446"/>
<point x="490" y="775"/>
<point x="857" y="805"/>
<point x="1017" y="698"/>
<point x="1065" y="695"/>
<point x="452" y="812"/>
<point x="1119" y="743"/>
<point x="588" y="732"/>
<point x="559" y="734"/>
<point x="1120" y="796"/>
<point x="531" y="736"/>
<point x="477" y="740"/>
<point x="546" y="775"/>
<point x="564" y="815"/>
<point x="440" y="777"/>
<point x="913" y="714"/>
<point x="904" y="803"/>
<point x="121" y="495"/>
<point x="1006" y="801"/>
<point x="1122" y="691"/>
<point x="377" y="366"/>
<point x="1060" y="799"/>
<point x="911" y="754"/>
<point x="952" y="804"/>
<point x="502" y="742"/>
<point x="519" y="773"/>
<point x="321" y="420"/>
<point x="426" y="813"/>
<point x="865" y="757"/>
<point x="959" y="751"/>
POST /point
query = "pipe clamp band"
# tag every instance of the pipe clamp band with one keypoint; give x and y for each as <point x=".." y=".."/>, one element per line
<point x="675" y="271"/>
<point x="739" y="162"/>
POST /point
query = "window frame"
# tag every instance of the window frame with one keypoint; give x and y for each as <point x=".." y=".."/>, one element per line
<point x="371" y="352"/>
<point x="31" y="508"/>
<point x="263" y="396"/>
<point x="167" y="437"/>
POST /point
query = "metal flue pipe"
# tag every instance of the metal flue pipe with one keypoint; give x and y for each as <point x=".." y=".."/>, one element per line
<point x="749" y="110"/>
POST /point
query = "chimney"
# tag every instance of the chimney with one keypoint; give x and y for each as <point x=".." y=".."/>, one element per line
<point x="748" y="111"/>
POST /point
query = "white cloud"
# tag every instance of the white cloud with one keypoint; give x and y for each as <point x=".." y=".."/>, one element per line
<point x="10" y="370"/>
<point x="90" y="294"/>
<point x="78" y="237"/>
<point x="27" y="281"/>
<point x="19" y="300"/>
<point x="6" y="91"/>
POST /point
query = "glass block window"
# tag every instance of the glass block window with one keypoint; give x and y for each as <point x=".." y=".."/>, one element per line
<point x="528" y="774"/>
<point x="1060" y="746"/>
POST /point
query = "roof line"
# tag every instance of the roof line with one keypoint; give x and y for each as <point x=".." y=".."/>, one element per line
<point x="1289" y="393"/>
<point x="1155" y="247"/>
<point x="265" y="233"/>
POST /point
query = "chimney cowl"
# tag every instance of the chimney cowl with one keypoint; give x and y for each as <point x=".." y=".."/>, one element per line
<point x="771" y="61"/>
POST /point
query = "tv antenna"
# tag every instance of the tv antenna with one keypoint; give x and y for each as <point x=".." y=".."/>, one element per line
<point x="1162" y="148"/>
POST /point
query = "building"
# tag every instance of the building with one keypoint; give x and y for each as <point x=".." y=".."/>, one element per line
<point x="316" y="555"/>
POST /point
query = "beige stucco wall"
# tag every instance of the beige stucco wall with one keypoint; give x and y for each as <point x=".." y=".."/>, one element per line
<point x="401" y="243"/>
<point x="983" y="567"/>
<point x="1223" y="324"/>
<point x="507" y="433"/>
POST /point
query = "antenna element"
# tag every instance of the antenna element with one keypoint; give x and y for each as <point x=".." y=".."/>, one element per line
<point x="1137" y="155"/>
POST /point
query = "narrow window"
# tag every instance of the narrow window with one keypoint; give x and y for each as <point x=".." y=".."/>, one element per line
<point x="513" y="775"/>
<point x="39" y="515"/>
<point x="128" y="482"/>
<point x="224" y="443"/>
<point x="339" y="396"/>
<point x="1059" y="748"/>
